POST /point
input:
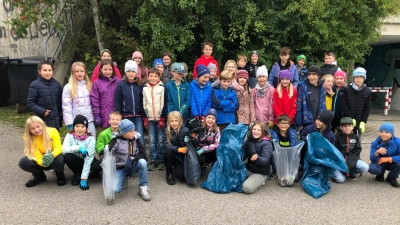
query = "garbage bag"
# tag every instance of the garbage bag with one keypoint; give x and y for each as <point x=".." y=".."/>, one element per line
<point x="191" y="166"/>
<point x="229" y="171"/>
<point x="287" y="161"/>
<point x="109" y="175"/>
<point x="322" y="159"/>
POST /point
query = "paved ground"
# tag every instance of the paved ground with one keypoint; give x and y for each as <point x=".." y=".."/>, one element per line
<point x="356" y="202"/>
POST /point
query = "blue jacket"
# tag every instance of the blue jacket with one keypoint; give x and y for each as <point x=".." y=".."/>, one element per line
<point x="304" y="114"/>
<point x="46" y="95"/>
<point x="328" y="134"/>
<point x="226" y="104"/>
<point x="292" y="136"/>
<point x="200" y="98"/>
<point x="274" y="74"/>
<point x="303" y="73"/>
<point x="128" y="99"/>
<point x="337" y="103"/>
<point x="178" y="98"/>
<point x="392" y="147"/>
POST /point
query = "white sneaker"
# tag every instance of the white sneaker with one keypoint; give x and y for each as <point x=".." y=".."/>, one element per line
<point x="143" y="192"/>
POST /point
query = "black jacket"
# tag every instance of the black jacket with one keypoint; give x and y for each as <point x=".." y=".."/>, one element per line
<point x="46" y="95"/>
<point x="177" y="141"/>
<point x="356" y="103"/>
<point x="252" y="69"/>
<point x="349" y="146"/>
<point x="263" y="148"/>
<point x="329" y="69"/>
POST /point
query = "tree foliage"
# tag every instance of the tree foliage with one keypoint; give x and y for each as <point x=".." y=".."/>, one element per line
<point x="308" y="27"/>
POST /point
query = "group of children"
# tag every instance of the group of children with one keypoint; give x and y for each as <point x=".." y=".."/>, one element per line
<point x="289" y="102"/>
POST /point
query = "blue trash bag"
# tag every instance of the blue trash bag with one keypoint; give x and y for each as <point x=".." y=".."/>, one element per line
<point x="322" y="159"/>
<point x="192" y="168"/>
<point x="229" y="171"/>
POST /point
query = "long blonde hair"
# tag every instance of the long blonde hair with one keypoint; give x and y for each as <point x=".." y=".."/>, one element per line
<point x="73" y="82"/>
<point x="28" y="137"/>
<point x="234" y="64"/>
<point x="279" y="90"/>
<point x="171" y="115"/>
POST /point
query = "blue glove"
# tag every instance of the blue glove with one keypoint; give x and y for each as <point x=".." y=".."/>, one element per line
<point x="84" y="185"/>
<point x="70" y="127"/>
<point x="83" y="151"/>
<point x="200" y="151"/>
<point x="186" y="139"/>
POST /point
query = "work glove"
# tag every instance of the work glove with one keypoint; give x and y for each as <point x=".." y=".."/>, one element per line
<point x="385" y="160"/>
<point x="270" y="125"/>
<point x="354" y="122"/>
<point x="161" y="123"/>
<point x="362" y="127"/>
<point x="182" y="150"/>
<point x="83" y="151"/>
<point x="97" y="120"/>
<point x="146" y="122"/>
<point x="70" y="127"/>
<point x="47" y="159"/>
<point x="186" y="139"/>
<point x="200" y="151"/>
<point x="197" y="117"/>
<point x="84" y="185"/>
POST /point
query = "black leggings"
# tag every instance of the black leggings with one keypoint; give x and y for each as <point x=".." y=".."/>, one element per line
<point x="207" y="157"/>
<point x="32" y="167"/>
<point x="75" y="164"/>
<point x="170" y="158"/>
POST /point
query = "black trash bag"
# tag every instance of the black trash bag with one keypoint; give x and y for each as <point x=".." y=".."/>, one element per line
<point x="194" y="125"/>
<point x="192" y="168"/>
<point x="229" y="171"/>
<point x="322" y="159"/>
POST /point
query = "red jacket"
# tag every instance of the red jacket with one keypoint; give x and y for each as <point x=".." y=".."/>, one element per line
<point x="285" y="105"/>
<point x="96" y="72"/>
<point x="205" y="61"/>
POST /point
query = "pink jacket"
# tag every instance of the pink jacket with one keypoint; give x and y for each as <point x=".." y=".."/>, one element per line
<point x="96" y="72"/>
<point x="263" y="105"/>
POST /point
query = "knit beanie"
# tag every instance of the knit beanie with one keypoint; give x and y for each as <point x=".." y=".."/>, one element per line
<point x="326" y="118"/>
<point x="212" y="66"/>
<point x="201" y="70"/>
<point x="301" y="57"/>
<point x="253" y="52"/>
<point x="242" y="73"/>
<point x="125" y="126"/>
<point x="388" y="127"/>
<point x="79" y="119"/>
<point x="360" y="72"/>
<point x="340" y="73"/>
<point x="131" y="65"/>
<point x="314" y="69"/>
<point x="137" y="54"/>
<point x="158" y="62"/>
<point x="212" y="112"/>
<point x="262" y="71"/>
<point x="286" y="74"/>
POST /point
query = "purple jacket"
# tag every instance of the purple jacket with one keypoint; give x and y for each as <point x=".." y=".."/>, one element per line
<point x="102" y="97"/>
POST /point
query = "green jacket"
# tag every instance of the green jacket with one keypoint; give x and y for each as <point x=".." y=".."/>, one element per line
<point x="103" y="139"/>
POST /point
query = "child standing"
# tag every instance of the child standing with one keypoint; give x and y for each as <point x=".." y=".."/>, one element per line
<point x="285" y="96"/>
<point x="350" y="146"/>
<point x="129" y="98"/>
<point x="105" y="54"/>
<point x="102" y="93"/>
<point x="111" y="132"/>
<point x="200" y="93"/>
<point x="78" y="151"/>
<point x="224" y="101"/>
<point x="130" y="158"/>
<point x="159" y="65"/>
<point x="76" y="97"/>
<point x="175" y="147"/>
<point x="178" y="90"/>
<point x="330" y="64"/>
<point x="44" y="96"/>
<point x="263" y="94"/>
<point x="42" y="152"/>
<point x="328" y="84"/>
<point x="241" y="62"/>
<point x="301" y="68"/>
<point x="205" y="59"/>
<point x="257" y="150"/>
<point x="167" y="62"/>
<point x="340" y="83"/>
<point x="356" y="100"/>
<point x="283" y="64"/>
<point x="142" y="70"/>
<point x="251" y="67"/>
<point x="385" y="155"/>
<point x="155" y="101"/>
<point x="213" y="72"/>
<point x="246" y="112"/>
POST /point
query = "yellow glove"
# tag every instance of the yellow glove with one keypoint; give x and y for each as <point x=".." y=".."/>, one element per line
<point x="354" y="122"/>
<point x="270" y="124"/>
<point x="362" y="127"/>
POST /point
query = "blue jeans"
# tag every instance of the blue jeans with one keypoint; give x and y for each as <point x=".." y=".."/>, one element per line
<point x="138" y="121"/>
<point x="361" y="167"/>
<point x="156" y="137"/>
<point x="130" y="169"/>
<point x="379" y="169"/>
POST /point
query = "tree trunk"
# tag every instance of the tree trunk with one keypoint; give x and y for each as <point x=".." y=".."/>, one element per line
<point x="95" y="7"/>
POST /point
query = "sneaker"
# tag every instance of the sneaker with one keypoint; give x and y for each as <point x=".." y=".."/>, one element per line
<point x="352" y="176"/>
<point x="152" y="166"/>
<point x="125" y="183"/>
<point x="61" y="181"/>
<point x="161" y="166"/>
<point x="393" y="182"/>
<point x="380" y="178"/>
<point x="271" y="176"/>
<point x="76" y="180"/>
<point x="36" y="179"/>
<point x="143" y="192"/>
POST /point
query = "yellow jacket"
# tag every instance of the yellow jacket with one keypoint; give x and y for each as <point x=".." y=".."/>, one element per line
<point x="329" y="101"/>
<point x="39" y="150"/>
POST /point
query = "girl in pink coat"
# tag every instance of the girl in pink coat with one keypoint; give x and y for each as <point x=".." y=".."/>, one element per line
<point x="263" y="94"/>
<point x="105" y="54"/>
